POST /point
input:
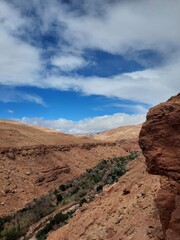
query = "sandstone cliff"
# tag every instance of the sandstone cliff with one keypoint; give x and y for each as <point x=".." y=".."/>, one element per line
<point x="160" y="143"/>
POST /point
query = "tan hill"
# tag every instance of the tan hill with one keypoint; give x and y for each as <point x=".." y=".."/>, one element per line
<point x="118" y="134"/>
<point x="127" y="135"/>
<point x="115" y="134"/>
<point x="35" y="160"/>
<point x="15" y="134"/>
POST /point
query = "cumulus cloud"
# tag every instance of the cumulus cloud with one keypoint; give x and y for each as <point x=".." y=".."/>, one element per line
<point x="117" y="27"/>
<point x="19" y="61"/>
<point x="89" y="125"/>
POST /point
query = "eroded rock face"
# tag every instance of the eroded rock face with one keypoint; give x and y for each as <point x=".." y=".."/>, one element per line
<point x="160" y="139"/>
<point x="160" y="143"/>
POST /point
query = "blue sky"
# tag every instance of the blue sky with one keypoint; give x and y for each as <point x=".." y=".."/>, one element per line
<point x="88" y="67"/>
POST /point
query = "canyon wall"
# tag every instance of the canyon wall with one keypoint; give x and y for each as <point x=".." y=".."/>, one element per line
<point x="160" y="143"/>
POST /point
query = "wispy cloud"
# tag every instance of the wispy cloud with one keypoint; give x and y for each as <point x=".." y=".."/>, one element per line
<point x="149" y="86"/>
<point x="10" y="111"/>
<point x="8" y="94"/>
<point x="135" y="108"/>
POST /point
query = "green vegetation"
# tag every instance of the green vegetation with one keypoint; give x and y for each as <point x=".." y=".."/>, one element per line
<point x="81" y="189"/>
<point x="14" y="233"/>
<point x="16" y="225"/>
<point x="58" y="220"/>
<point x="83" y="200"/>
<point x="99" y="188"/>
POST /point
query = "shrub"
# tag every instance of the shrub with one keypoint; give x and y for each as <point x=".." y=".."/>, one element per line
<point x="99" y="188"/>
<point x="83" y="200"/>
<point x="62" y="187"/>
<point x="133" y="155"/>
<point x="95" y="178"/>
<point x="59" y="197"/>
<point x="13" y="233"/>
<point x="58" y="218"/>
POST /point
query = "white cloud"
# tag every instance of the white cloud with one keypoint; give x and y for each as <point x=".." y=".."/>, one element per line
<point x="120" y="27"/>
<point x="10" y="17"/>
<point x="19" y="61"/>
<point x="140" y="109"/>
<point x="12" y="95"/>
<point x="89" y="125"/>
<point x="68" y="62"/>
<point x="34" y="99"/>
<point x="149" y="86"/>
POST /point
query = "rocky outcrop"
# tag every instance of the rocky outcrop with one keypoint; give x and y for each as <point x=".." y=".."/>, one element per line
<point x="51" y="174"/>
<point x="160" y="143"/>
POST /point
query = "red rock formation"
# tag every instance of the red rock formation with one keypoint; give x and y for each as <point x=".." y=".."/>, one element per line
<point x="160" y="143"/>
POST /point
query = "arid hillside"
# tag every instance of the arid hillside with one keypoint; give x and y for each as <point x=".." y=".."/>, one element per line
<point x="15" y="134"/>
<point x="116" y="134"/>
<point x="123" y="211"/>
<point x="35" y="160"/>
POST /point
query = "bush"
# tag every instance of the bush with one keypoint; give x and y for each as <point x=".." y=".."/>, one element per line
<point x="83" y="200"/>
<point x="133" y="155"/>
<point x="62" y="187"/>
<point x="13" y="233"/>
<point x="99" y="188"/>
<point x="95" y="178"/>
<point x="59" y="197"/>
<point x="58" y="218"/>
